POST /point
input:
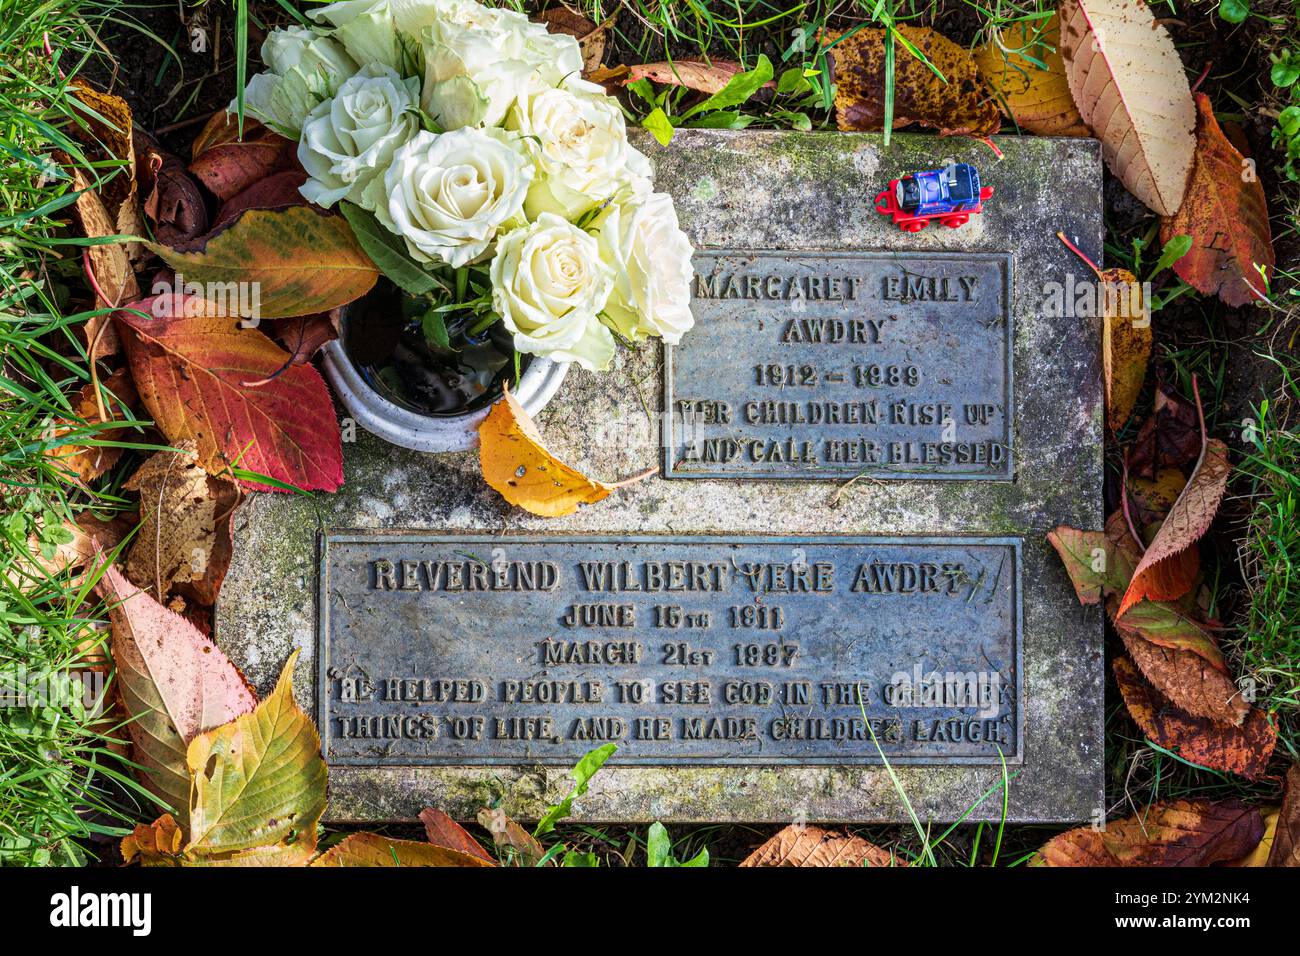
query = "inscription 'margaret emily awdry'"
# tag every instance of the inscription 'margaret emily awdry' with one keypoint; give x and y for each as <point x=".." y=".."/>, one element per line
<point x="682" y="650"/>
<point x="820" y="365"/>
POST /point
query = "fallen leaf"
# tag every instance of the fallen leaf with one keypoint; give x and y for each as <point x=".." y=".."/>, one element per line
<point x="1243" y="750"/>
<point x="154" y="844"/>
<point x="1286" y="839"/>
<point x="1161" y="575"/>
<point x="1186" y="678"/>
<point x="173" y="685"/>
<point x="517" y="464"/>
<point x="1171" y="626"/>
<point x="108" y="136"/>
<point x="109" y="264"/>
<point x="810" y="846"/>
<point x="1126" y="344"/>
<point x="959" y="104"/>
<point x="87" y="457"/>
<point x="304" y="336"/>
<point x="591" y="38"/>
<point x="172" y="201"/>
<point x="1037" y="99"/>
<point x="1169" y="438"/>
<point x="1259" y="855"/>
<point x="184" y="538"/>
<point x="507" y="833"/>
<point x="710" y="77"/>
<point x="222" y="127"/>
<point x="89" y="536"/>
<point x="1129" y="86"/>
<point x="371" y="849"/>
<point x="1227" y="218"/>
<point x="1095" y="564"/>
<point x="192" y="373"/>
<point x="443" y="831"/>
<point x="228" y="168"/>
<point x="1154" y="497"/>
<point x="259" y="783"/>
<point x="300" y="260"/>
<point x="1176" y="833"/>
<point x="276" y="191"/>
<point x="1185" y="833"/>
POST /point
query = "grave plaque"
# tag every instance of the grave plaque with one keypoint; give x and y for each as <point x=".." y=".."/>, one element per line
<point x="864" y="442"/>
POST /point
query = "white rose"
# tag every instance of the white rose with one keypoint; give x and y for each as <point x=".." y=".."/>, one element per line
<point x="447" y="194"/>
<point x="479" y="61"/>
<point x="549" y="285"/>
<point x="579" y="139"/>
<point x="651" y="257"/>
<point x="304" y="69"/>
<point x="349" y="140"/>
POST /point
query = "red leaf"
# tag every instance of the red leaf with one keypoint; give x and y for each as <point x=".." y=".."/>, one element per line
<point x="1225" y="214"/>
<point x="192" y="368"/>
<point x="173" y="683"/>
<point x="305" y="335"/>
<point x="443" y="831"/>
<point x="229" y="168"/>
<point x="274" y="192"/>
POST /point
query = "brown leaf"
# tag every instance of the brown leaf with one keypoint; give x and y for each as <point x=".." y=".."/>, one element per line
<point x="371" y="849"/>
<point x="507" y="833"/>
<point x="90" y="536"/>
<point x="108" y="136"/>
<point x="810" y="846"/>
<point x="591" y="38"/>
<point x="959" y="106"/>
<point x="172" y="200"/>
<point x="1037" y="99"/>
<point x="304" y="336"/>
<point x="1169" y="438"/>
<point x="1187" y="679"/>
<point x="276" y="191"/>
<point x="184" y="539"/>
<point x="1126" y="344"/>
<point x="1185" y="833"/>
<point x="1176" y="626"/>
<point x="154" y="844"/>
<point x="1129" y="86"/>
<point x="1153" y="498"/>
<point x="442" y="830"/>
<point x="1161" y="575"/>
<point x="1094" y="562"/>
<point x="517" y="464"/>
<point x="695" y="75"/>
<point x="1286" y="838"/>
<point x="1259" y="855"/>
<point x="109" y="264"/>
<point x="1082" y="846"/>
<point x="1176" y="833"/>
<point x="1243" y="750"/>
<point x="1227" y="218"/>
<point x="89" y="461"/>
<point x="229" y="168"/>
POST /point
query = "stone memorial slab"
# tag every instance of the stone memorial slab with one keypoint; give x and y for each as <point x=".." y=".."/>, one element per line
<point x="864" y="442"/>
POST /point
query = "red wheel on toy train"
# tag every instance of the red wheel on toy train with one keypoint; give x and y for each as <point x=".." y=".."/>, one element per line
<point x="952" y="222"/>
<point x="916" y="225"/>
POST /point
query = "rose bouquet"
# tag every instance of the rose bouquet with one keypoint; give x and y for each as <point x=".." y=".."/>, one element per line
<point x="486" y="178"/>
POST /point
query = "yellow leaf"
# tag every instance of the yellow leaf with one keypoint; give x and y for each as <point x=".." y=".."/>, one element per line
<point x="1038" y="99"/>
<point x="258" y="784"/>
<point x="518" y="465"/>
<point x="371" y="849"/>
<point x="1126" y="344"/>
<point x="1259" y="855"/>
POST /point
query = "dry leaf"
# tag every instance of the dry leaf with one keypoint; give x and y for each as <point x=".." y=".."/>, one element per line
<point x="230" y="167"/>
<point x="1160" y="575"/>
<point x="961" y="105"/>
<point x="507" y="833"/>
<point x="1169" y="438"/>
<point x="173" y="684"/>
<point x="1153" y="498"/>
<point x="371" y="849"/>
<point x="591" y="38"/>
<point x="1096" y="565"/>
<point x="810" y="846"/>
<point x="110" y="137"/>
<point x="154" y="844"/>
<point x="1177" y="833"/>
<point x="710" y="77"/>
<point x="1243" y="750"/>
<point x="1126" y="344"/>
<point x="1187" y="679"/>
<point x="443" y="831"/>
<point x="517" y="464"/>
<point x="1038" y="99"/>
<point x="172" y="201"/>
<point x="88" y="462"/>
<point x="1286" y="839"/>
<point x="1227" y="218"/>
<point x="109" y="264"/>
<point x="1129" y="86"/>
<point x="184" y="538"/>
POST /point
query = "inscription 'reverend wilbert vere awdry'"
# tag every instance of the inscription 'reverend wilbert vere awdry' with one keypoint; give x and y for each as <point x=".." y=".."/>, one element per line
<point x="701" y="649"/>
<point x="825" y="365"/>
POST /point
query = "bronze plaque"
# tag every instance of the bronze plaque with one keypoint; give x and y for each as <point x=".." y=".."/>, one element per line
<point x="696" y="650"/>
<point x="838" y="364"/>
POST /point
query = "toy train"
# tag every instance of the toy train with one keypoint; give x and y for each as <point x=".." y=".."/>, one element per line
<point x="950" y="195"/>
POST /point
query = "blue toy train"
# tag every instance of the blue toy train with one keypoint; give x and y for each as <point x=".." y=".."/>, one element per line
<point x="951" y="195"/>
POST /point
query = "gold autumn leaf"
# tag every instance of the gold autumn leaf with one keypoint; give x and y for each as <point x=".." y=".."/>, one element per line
<point x="154" y="844"/>
<point x="96" y="404"/>
<point x="518" y="465"/>
<point x="1129" y="86"/>
<point x="957" y="104"/>
<point x="184" y="538"/>
<point x="809" y="846"/>
<point x="1176" y="833"/>
<point x="258" y="784"/>
<point x="1038" y="99"/>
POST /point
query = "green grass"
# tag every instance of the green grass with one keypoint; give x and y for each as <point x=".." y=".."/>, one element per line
<point x="61" y="784"/>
